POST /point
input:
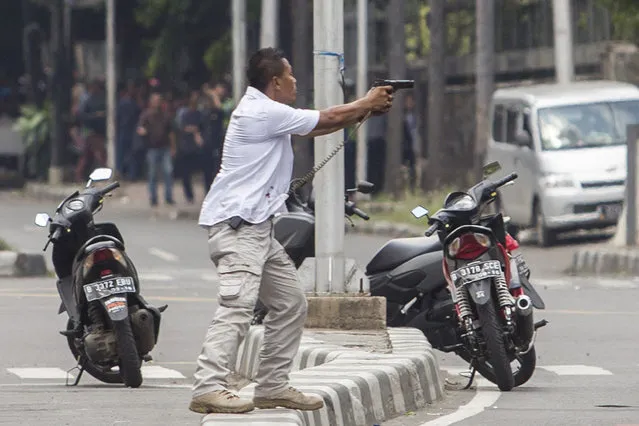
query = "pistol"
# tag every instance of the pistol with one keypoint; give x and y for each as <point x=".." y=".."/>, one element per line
<point x="396" y="84"/>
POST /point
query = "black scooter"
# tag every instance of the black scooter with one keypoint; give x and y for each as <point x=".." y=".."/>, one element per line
<point x="295" y="230"/>
<point x="110" y="324"/>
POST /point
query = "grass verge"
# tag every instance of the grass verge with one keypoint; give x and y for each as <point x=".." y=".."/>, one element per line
<point x="401" y="212"/>
<point x="4" y="246"/>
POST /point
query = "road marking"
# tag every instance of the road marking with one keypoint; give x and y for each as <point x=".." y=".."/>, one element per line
<point x="209" y="277"/>
<point x="154" y="277"/>
<point x="484" y="398"/>
<point x="157" y="372"/>
<point x="576" y="370"/>
<point x="164" y="255"/>
<point x="39" y="373"/>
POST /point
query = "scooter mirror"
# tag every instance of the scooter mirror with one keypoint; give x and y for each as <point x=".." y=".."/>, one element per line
<point x="419" y="211"/>
<point x="103" y="173"/>
<point x="365" y="187"/>
<point x="491" y="168"/>
<point x="42" y="219"/>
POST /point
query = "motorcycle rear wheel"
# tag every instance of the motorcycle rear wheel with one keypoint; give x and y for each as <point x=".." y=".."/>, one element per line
<point x="130" y="373"/>
<point x="102" y="373"/>
<point x="498" y="357"/>
<point x="528" y="363"/>
<point x="130" y="362"/>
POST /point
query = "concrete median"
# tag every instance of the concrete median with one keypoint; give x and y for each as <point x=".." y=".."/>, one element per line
<point x="612" y="261"/>
<point x="22" y="264"/>
<point x="359" y="387"/>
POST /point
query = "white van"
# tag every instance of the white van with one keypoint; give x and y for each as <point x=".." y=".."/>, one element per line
<point x="567" y="143"/>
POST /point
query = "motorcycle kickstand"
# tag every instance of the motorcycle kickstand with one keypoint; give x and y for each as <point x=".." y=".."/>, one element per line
<point x="80" y="368"/>
<point x="472" y="375"/>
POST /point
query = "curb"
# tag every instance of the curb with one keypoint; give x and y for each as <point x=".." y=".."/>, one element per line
<point x="615" y="261"/>
<point x="46" y="192"/>
<point x="388" y="229"/>
<point x="20" y="264"/>
<point x="359" y="388"/>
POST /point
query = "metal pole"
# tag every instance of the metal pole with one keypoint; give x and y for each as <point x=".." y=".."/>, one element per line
<point x="362" y="85"/>
<point x="56" y="84"/>
<point x="239" y="49"/>
<point x="328" y="40"/>
<point x="562" y="24"/>
<point x="632" y="133"/>
<point x="485" y="63"/>
<point x="269" y="25"/>
<point x="111" y="83"/>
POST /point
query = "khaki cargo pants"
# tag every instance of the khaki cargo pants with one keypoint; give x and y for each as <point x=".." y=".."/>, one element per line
<point x="251" y="263"/>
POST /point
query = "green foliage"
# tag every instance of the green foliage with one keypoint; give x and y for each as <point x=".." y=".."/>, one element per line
<point x="200" y="28"/>
<point x="625" y="19"/>
<point x="33" y="125"/>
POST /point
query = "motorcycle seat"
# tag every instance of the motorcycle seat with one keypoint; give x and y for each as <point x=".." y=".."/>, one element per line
<point x="397" y="251"/>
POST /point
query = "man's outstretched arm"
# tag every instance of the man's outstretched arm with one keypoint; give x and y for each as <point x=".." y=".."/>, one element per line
<point x="339" y="117"/>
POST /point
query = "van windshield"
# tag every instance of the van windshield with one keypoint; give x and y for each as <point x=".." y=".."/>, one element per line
<point x="586" y="125"/>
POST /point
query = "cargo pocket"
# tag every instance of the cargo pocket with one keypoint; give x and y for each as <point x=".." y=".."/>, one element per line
<point x="239" y="284"/>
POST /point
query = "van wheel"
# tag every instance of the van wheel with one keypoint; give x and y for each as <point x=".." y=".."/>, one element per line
<point x="545" y="237"/>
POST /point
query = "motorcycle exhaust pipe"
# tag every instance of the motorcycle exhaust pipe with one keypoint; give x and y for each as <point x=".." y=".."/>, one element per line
<point x="524" y="305"/>
<point x="525" y="324"/>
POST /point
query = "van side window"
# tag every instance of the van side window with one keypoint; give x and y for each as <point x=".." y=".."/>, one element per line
<point x="527" y="126"/>
<point x="499" y="119"/>
<point x="511" y="125"/>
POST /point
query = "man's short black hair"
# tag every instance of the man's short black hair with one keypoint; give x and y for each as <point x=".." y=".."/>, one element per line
<point x="263" y="66"/>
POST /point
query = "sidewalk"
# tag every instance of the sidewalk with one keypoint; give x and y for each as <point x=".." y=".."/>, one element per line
<point x="134" y="196"/>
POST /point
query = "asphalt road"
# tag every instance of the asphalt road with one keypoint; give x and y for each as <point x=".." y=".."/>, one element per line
<point x="586" y="355"/>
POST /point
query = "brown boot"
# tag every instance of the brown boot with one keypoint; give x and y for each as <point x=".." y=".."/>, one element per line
<point x="220" y="401"/>
<point x="290" y="398"/>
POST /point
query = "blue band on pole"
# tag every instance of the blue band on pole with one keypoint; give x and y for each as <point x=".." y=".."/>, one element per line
<point x="340" y="57"/>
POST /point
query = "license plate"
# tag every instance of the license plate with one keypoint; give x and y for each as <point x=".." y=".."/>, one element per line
<point x="105" y="288"/>
<point x="476" y="271"/>
<point x="610" y="211"/>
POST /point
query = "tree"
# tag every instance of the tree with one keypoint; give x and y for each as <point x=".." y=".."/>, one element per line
<point x="194" y="31"/>
<point x="625" y="19"/>
<point x="397" y="70"/>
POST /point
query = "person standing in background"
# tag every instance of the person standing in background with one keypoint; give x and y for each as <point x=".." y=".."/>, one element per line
<point x="376" y="164"/>
<point x="409" y="147"/>
<point x="92" y="115"/>
<point x="128" y="115"/>
<point x="190" y="123"/>
<point x="213" y="115"/>
<point x="156" y="127"/>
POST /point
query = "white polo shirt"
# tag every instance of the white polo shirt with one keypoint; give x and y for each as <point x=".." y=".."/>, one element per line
<point x="257" y="160"/>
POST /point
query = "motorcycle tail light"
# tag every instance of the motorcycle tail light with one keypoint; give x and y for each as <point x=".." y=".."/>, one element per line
<point x="469" y="246"/>
<point x="102" y="255"/>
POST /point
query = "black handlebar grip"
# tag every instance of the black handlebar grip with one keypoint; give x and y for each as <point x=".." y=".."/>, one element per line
<point x="503" y="181"/>
<point x="430" y="231"/>
<point x="360" y="213"/>
<point x="109" y="188"/>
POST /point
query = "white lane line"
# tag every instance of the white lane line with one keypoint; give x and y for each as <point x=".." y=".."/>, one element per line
<point x="484" y="398"/>
<point x="209" y="277"/>
<point x="154" y="277"/>
<point x="164" y="255"/>
<point x="157" y="372"/>
<point x="39" y="373"/>
<point x="576" y="370"/>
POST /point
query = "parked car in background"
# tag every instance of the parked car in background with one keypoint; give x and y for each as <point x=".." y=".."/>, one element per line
<point x="567" y="143"/>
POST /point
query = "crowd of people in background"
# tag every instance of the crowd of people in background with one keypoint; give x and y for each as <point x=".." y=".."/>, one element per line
<point x="169" y="135"/>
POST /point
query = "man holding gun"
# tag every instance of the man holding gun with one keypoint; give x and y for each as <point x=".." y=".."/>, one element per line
<point x="251" y="187"/>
